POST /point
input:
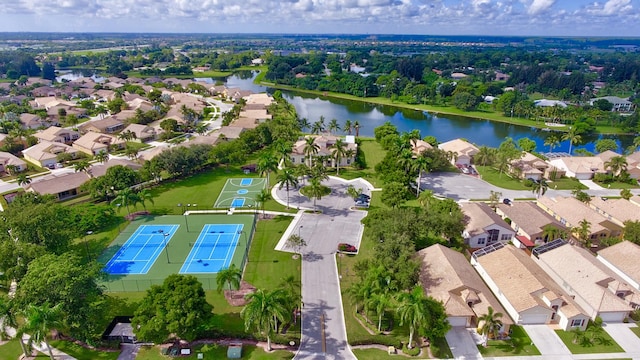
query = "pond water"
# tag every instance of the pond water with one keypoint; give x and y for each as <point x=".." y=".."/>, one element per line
<point x="75" y="74"/>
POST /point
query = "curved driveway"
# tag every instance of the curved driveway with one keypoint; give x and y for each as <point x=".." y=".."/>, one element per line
<point x="323" y="330"/>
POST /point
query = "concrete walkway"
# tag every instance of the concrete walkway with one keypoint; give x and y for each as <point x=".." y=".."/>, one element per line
<point x="129" y="351"/>
<point x="324" y="334"/>
<point x="622" y="334"/>
<point x="41" y="347"/>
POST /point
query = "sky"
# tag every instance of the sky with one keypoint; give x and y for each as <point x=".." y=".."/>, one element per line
<point x="424" y="17"/>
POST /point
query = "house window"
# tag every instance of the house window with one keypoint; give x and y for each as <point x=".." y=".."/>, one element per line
<point x="505" y="237"/>
<point x="481" y="241"/>
<point x="577" y="322"/>
<point x="348" y="161"/>
<point x="493" y="235"/>
<point x="293" y="160"/>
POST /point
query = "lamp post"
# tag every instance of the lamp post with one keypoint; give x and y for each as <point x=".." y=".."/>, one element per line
<point x="299" y="227"/>
<point x="86" y="244"/>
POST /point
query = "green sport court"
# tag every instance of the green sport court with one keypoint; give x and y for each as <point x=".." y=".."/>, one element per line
<point x="153" y="247"/>
<point x="240" y="192"/>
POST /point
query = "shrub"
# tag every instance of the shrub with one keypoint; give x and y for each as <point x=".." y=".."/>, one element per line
<point x="415" y="351"/>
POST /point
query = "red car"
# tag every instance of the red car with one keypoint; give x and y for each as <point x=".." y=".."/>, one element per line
<point x="347" y="247"/>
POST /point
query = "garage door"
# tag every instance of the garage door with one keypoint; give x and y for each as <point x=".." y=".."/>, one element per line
<point x="613" y="317"/>
<point x="457" y="321"/>
<point x="531" y="319"/>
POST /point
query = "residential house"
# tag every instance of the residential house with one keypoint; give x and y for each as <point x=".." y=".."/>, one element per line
<point x="124" y="116"/>
<point x="570" y="212"/>
<point x="230" y="132"/>
<point x="56" y="134"/>
<point x="32" y="121"/>
<point x="45" y="153"/>
<point x="615" y="210"/>
<point x="619" y="104"/>
<point x="549" y="103"/>
<point x="8" y="159"/>
<point x="325" y="145"/>
<point x="529" y="222"/>
<point x="419" y="146"/>
<point x="108" y="125"/>
<point x="447" y="276"/>
<point x="103" y="95"/>
<point x="622" y="259"/>
<point x="594" y="287"/>
<point x="529" y="166"/>
<point x="50" y="101"/>
<point x="101" y="169"/>
<point x="483" y="226"/>
<point x="525" y="291"/>
<point x="63" y="186"/>
<point x="635" y="199"/>
<point x="245" y="123"/>
<point x="92" y="143"/>
<point x="260" y="98"/>
<point x="143" y="133"/>
<point x="463" y="151"/>
<point x="583" y="167"/>
<point x="259" y="114"/>
<point x="633" y="165"/>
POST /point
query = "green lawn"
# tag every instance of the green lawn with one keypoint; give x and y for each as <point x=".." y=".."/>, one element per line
<point x="373" y="154"/>
<point x="82" y="353"/>
<point x="11" y="351"/>
<point x="566" y="184"/>
<point x="636" y="330"/>
<point x="494" y="177"/>
<point x="214" y="352"/>
<point x="609" y="346"/>
<point x="618" y="185"/>
<point x="519" y="345"/>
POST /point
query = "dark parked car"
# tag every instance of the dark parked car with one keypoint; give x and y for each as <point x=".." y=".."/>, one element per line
<point x="363" y="198"/>
<point x="506" y="202"/>
<point x="347" y="247"/>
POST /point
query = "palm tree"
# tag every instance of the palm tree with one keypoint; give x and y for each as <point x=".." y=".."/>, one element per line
<point x="333" y="126"/>
<point x="339" y="152"/>
<point x="491" y="324"/>
<point x="82" y="166"/>
<point x="552" y="141"/>
<point x="39" y="321"/>
<point x="304" y="124"/>
<point x="287" y="178"/>
<point x="359" y="292"/>
<point x="426" y="198"/>
<point x="413" y="310"/>
<point x="127" y="135"/>
<point x="145" y="195"/>
<point x="310" y="149"/>
<point x="230" y="276"/>
<point x="356" y="127"/>
<point x="485" y="155"/>
<point x="263" y="312"/>
<point x="101" y="157"/>
<point x="126" y="197"/>
<point x="380" y="302"/>
<point x="347" y="127"/>
<point x="583" y="230"/>
<point x="540" y="187"/>
<point x="421" y="164"/>
<point x="11" y="169"/>
<point x="617" y="165"/>
<point x="23" y="179"/>
<point x="573" y="137"/>
<point x="315" y="190"/>
<point x="266" y="164"/>
<point x="132" y="152"/>
<point x="262" y="197"/>
<point x="550" y="232"/>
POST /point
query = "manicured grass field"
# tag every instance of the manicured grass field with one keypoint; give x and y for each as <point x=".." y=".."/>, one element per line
<point x="609" y="346"/>
<point x="618" y="185"/>
<point x="636" y="330"/>
<point x="494" y="177"/>
<point x="82" y="353"/>
<point x="519" y="345"/>
<point x="566" y="184"/>
<point x="11" y="351"/>
<point x="373" y="153"/>
<point x="215" y="352"/>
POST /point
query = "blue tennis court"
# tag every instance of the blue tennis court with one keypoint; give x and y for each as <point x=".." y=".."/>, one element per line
<point x="137" y="255"/>
<point x="213" y="250"/>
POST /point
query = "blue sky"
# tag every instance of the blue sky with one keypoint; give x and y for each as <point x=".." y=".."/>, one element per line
<point x="449" y="17"/>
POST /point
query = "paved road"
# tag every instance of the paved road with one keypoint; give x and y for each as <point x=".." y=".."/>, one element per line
<point x="465" y="187"/>
<point x="322" y="314"/>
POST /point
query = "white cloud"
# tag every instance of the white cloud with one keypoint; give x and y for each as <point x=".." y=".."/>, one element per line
<point x="539" y="6"/>
<point x="611" y="7"/>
